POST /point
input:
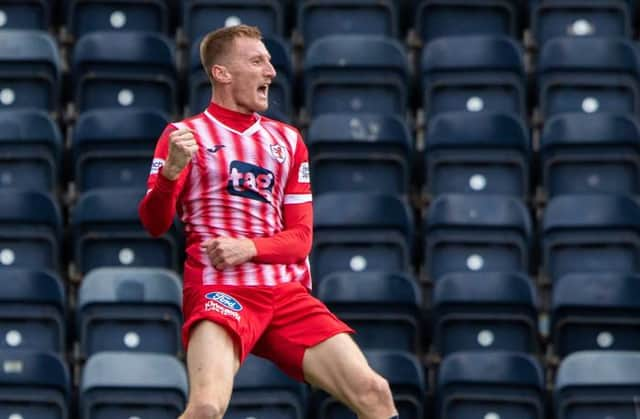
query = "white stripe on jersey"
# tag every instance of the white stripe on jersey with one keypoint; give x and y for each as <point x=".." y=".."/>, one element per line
<point x="297" y="198"/>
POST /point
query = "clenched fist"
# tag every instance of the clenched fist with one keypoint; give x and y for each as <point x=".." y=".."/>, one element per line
<point x="182" y="148"/>
<point x="226" y="252"/>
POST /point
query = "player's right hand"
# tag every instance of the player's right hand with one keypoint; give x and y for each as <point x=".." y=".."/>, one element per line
<point x="182" y="148"/>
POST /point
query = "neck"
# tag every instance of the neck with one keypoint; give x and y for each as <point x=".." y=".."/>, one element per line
<point x="230" y="117"/>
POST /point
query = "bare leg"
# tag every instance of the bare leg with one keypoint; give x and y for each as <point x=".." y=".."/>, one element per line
<point x="338" y="367"/>
<point x="212" y="362"/>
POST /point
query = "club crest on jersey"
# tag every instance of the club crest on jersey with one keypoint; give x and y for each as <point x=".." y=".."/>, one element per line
<point x="250" y="181"/>
<point x="278" y="152"/>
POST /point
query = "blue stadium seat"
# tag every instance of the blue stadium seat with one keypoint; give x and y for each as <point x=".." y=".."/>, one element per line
<point x="443" y="18"/>
<point x="30" y="70"/>
<point x="34" y="385"/>
<point x="261" y="390"/>
<point x="477" y="233"/>
<point x="125" y="384"/>
<point x="203" y="16"/>
<point x="598" y="153"/>
<point x="556" y="18"/>
<point x="319" y="18"/>
<point x="361" y="232"/>
<point x="595" y="311"/>
<point x="597" y="384"/>
<point x="30" y="230"/>
<point x="406" y="379"/>
<point x="30" y="150"/>
<point x="86" y="16"/>
<point x="111" y="148"/>
<point x="356" y="73"/>
<point x="474" y="74"/>
<point x="360" y="152"/>
<point x="124" y="70"/>
<point x="280" y="90"/>
<point x="33" y="309"/>
<point x="482" y="153"/>
<point x="590" y="233"/>
<point x="383" y="308"/>
<point x="588" y="75"/>
<point x="26" y="14"/>
<point x="490" y="385"/>
<point x="129" y="309"/>
<point x="484" y="311"/>
<point x="107" y="232"/>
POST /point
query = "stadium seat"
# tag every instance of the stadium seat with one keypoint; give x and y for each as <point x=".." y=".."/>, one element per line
<point x="112" y="148"/>
<point x="443" y="18"/>
<point x="597" y="384"/>
<point x="129" y="309"/>
<point x="203" y="16"/>
<point x="261" y="390"/>
<point x="595" y="311"/>
<point x="490" y="384"/>
<point x="484" y="311"/>
<point x="474" y="74"/>
<point x="30" y="150"/>
<point x="405" y="376"/>
<point x="26" y="14"/>
<point x="477" y="233"/>
<point x="590" y="233"/>
<point x="556" y="18"/>
<point x="86" y="16"/>
<point x="356" y="232"/>
<point x="588" y="75"/>
<point x="32" y="313"/>
<point x="106" y="232"/>
<point x="124" y="70"/>
<point x="280" y="89"/>
<point x="365" y="153"/>
<point x="319" y="18"/>
<point x="34" y="385"/>
<point x="127" y="385"/>
<point x="30" y="230"/>
<point x="30" y="70"/>
<point x="482" y="153"/>
<point x="598" y="153"/>
<point x="356" y="74"/>
<point x="383" y="308"/>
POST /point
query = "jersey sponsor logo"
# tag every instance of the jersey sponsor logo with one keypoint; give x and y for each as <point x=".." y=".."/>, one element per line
<point x="303" y="173"/>
<point x="250" y="181"/>
<point x="156" y="165"/>
<point x="224" y="299"/>
<point x="278" y="152"/>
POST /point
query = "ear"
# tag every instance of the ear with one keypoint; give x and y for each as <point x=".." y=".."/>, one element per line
<point x="220" y="73"/>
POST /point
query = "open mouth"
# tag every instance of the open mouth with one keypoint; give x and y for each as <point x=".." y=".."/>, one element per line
<point x="262" y="90"/>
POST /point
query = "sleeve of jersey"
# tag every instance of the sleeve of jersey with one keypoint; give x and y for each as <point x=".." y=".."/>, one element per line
<point x="158" y="207"/>
<point x="293" y="243"/>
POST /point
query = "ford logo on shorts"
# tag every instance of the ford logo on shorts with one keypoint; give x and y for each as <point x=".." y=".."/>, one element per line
<point x="224" y="299"/>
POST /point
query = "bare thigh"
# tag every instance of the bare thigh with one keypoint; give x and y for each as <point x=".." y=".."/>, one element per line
<point x="212" y="362"/>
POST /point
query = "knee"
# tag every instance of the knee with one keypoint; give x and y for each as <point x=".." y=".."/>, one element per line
<point x="373" y="393"/>
<point x="204" y="410"/>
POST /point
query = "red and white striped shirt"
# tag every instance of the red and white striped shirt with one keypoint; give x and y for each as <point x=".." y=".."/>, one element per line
<point x="239" y="185"/>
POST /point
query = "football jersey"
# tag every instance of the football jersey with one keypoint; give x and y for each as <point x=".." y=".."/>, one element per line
<point x="236" y="186"/>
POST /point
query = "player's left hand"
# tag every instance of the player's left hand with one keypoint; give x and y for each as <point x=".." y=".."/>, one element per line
<point x="225" y="252"/>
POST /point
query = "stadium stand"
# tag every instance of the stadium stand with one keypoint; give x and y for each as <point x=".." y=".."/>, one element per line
<point x="476" y="175"/>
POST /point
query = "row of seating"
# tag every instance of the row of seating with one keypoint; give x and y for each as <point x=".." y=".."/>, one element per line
<point x="483" y="153"/>
<point x="353" y="232"/>
<point x="500" y="384"/>
<point x="314" y="19"/>
<point x="362" y="74"/>
<point x="139" y="309"/>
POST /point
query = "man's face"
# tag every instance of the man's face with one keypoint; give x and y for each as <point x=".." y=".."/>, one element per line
<point x="249" y="64"/>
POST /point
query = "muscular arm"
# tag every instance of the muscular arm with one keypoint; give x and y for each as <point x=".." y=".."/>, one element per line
<point x="291" y="245"/>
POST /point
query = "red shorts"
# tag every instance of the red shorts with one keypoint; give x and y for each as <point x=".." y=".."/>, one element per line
<point x="278" y="323"/>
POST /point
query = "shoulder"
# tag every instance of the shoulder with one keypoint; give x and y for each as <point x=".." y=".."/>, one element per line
<point x="288" y="132"/>
<point x="187" y="122"/>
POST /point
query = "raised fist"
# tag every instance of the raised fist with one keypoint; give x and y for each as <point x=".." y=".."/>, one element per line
<point x="182" y="148"/>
